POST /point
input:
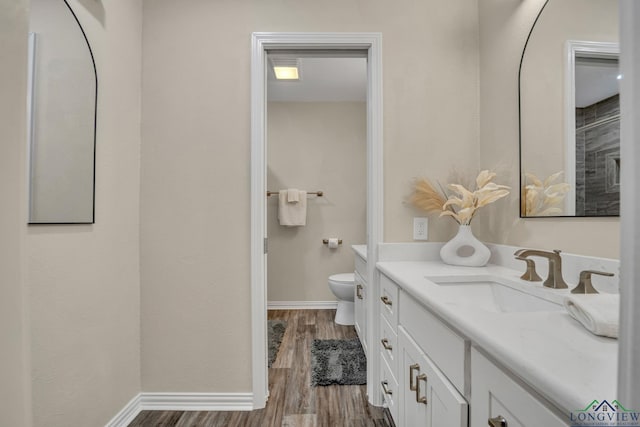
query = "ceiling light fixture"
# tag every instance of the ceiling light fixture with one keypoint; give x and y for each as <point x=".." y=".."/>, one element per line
<point x="286" y="68"/>
<point x="286" y="73"/>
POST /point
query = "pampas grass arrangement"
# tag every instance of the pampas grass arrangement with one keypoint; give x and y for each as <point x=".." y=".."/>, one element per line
<point x="463" y="204"/>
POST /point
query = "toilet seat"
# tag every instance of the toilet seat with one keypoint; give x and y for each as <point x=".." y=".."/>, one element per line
<point x="344" y="278"/>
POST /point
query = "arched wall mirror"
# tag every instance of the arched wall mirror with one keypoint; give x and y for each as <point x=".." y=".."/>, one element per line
<point x="62" y="94"/>
<point x="569" y="111"/>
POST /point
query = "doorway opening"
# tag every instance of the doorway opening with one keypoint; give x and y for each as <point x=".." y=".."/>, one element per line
<point x="317" y="147"/>
<point x="319" y="46"/>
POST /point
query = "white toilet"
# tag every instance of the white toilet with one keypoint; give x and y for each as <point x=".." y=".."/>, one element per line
<point x="342" y="286"/>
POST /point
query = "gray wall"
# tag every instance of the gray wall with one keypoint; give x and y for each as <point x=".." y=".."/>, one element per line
<point x="503" y="30"/>
<point x="69" y="295"/>
<point x="84" y="281"/>
<point x="195" y="194"/>
<point x="315" y="146"/>
<point x="15" y="399"/>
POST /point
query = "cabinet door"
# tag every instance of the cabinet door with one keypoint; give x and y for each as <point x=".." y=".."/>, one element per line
<point x="360" y="307"/>
<point x="428" y="398"/>
<point x="495" y="395"/>
<point x="445" y="348"/>
<point x="389" y="390"/>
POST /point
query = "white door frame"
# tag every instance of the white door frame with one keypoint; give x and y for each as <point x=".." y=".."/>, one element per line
<point x="261" y="43"/>
<point x="573" y="49"/>
<point x="629" y="339"/>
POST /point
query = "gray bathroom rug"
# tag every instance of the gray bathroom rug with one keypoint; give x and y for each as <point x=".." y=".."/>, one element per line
<point x="339" y="362"/>
<point x="275" y="332"/>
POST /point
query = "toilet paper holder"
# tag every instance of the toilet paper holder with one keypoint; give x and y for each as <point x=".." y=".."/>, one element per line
<point x="326" y="241"/>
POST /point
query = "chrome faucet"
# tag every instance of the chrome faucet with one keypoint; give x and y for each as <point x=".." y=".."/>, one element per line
<point x="554" y="278"/>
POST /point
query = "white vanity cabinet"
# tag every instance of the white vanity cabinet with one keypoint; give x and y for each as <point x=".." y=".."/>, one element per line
<point x="360" y="301"/>
<point x="448" y="350"/>
<point x="389" y="388"/>
<point x="425" y="396"/>
<point x="360" y="310"/>
<point x="472" y="347"/>
<point x="428" y="398"/>
<point x="498" y="400"/>
<point x="388" y="344"/>
<point x="432" y="375"/>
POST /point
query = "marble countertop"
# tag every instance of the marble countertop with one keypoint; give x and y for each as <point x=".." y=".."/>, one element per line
<point x="550" y="351"/>
<point x="361" y="250"/>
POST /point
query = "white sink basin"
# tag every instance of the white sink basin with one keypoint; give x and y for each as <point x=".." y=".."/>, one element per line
<point x="498" y="295"/>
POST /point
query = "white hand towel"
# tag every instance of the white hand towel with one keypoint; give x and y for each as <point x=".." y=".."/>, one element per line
<point x="293" y="195"/>
<point x="292" y="214"/>
<point x="600" y="313"/>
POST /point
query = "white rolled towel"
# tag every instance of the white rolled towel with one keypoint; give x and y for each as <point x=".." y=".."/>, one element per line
<point x="600" y="313"/>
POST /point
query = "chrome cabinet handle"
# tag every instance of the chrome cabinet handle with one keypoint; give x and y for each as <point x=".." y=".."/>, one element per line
<point x="412" y="384"/>
<point x="359" y="291"/>
<point x="384" y="387"/>
<point x="385" y="299"/>
<point x="385" y="344"/>
<point x="498" y="421"/>
<point x="423" y="399"/>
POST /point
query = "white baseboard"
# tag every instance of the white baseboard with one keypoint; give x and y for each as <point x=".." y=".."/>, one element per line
<point x="196" y="401"/>
<point x="301" y="305"/>
<point x="181" y="402"/>
<point x="127" y="414"/>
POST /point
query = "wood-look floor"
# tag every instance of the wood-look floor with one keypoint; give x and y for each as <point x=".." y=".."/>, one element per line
<point x="292" y="402"/>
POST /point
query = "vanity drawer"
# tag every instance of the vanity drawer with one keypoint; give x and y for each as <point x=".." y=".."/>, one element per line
<point x="389" y="389"/>
<point x="389" y="301"/>
<point x="361" y="267"/>
<point x="388" y="344"/>
<point x="445" y="347"/>
<point x="495" y="394"/>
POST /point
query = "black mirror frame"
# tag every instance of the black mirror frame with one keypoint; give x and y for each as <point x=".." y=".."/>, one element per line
<point x="95" y="125"/>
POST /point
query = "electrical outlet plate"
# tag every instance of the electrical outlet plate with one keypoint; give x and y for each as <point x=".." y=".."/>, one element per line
<point x="420" y="228"/>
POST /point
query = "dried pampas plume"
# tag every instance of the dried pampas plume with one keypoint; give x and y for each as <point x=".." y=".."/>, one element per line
<point x="426" y="197"/>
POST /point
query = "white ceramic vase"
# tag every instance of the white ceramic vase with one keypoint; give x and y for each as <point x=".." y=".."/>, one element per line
<point x="464" y="249"/>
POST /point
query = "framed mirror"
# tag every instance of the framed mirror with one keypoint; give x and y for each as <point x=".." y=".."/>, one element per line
<point x="569" y="111"/>
<point x="61" y="99"/>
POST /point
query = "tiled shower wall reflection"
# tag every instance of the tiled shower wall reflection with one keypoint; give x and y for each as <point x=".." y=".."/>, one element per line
<point x="598" y="158"/>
